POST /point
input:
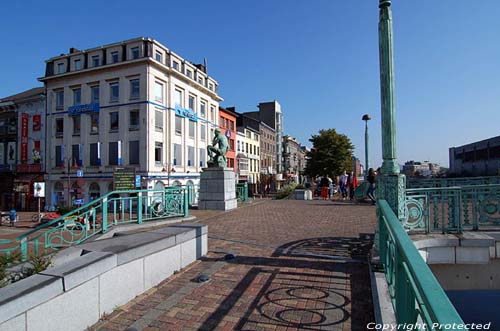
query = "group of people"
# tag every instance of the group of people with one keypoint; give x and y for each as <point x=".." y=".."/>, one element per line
<point x="347" y="184"/>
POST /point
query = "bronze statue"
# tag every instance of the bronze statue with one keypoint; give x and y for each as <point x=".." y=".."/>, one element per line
<point x="217" y="152"/>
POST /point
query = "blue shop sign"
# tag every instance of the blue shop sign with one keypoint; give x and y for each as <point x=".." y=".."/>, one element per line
<point x="83" y="109"/>
<point x="186" y="113"/>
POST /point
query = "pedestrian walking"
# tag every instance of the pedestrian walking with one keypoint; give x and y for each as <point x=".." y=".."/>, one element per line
<point x="343" y="185"/>
<point x="332" y="190"/>
<point x="353" y="184"/>
<point x="371" y="187"/>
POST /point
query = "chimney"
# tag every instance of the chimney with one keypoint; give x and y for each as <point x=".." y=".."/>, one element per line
<point x="73" y="50"/>
<point x="201" y="67"/>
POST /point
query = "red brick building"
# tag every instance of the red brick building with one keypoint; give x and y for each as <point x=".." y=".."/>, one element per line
<point x="227" y="125"/>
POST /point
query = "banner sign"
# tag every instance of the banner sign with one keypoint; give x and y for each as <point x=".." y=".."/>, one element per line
<point x="39" y="190"/>
<point x="186" y="113"/>
<point x="11" y="152"/>
<point x="83" y="109"/>
<point x="119" y="152"/>
<point x="37" y="122"/>
<point x="24" y="137"/>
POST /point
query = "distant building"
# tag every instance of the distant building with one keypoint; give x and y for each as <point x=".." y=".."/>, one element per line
<point x="249" y="146"/>
<point x="424" y="168"/>
<point x="293" y="158"/>
<point x="270" y="113"/>
<point x="356" y="166"/>
<point x="227" y="125"/>
<point x="481" y="158"/>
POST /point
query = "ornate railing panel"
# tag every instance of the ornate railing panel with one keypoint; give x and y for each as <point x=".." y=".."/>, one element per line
<point x="242" y="192"/>
<point x="416" y="294"/>
<point x="452" y="209"/>
<point x="117" y="207"/>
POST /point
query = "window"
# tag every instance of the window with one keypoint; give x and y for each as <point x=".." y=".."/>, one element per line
<point x="178" y="124"/>
<point x="94" y="123"/>
<point x="203" y="155"/>
<point x="94" y="94"/>
<point x="221" y="121"/>
<point x="77" y="96"/>
<point x="190" y="156"/>
<point x="158" y="153"/>
<point x="201" y="80"/>
<point x="114" y="57"/>
<point x="159" y="120"/>
<point x="203" y="132"/>
<point x="159" y="56"/>
<point x="177" y="154"/>
<point x="238" y="143"/>
<point x="59" y="127"/>
<point x="95" y="60"/>
<point x="76" y="125"/>
<point x="258" y="150"/>
<point x="231" y="144"/>
<point x="175" y="65"/>
<point x="203" y="106"/>
<point x="134" y="53"/>
<point x="93" y="155"/>
<point x="58" y="160"/>
<point x="191" y="129"/>
<point x="133" y="152"/>
<point x="75" y="154"/>
<point x="134" y="88"/>
<point x="178" y="98"/>
<point x="78" y="64"/>
<point x="60" y="68"/>
<point x="134" y="119"/>
<point x="59" y="99"/>
<point x="210" y="86"/>
<point x="114" y="92"/>
<point x="191" y="103"/>
<point x="212" y="113"/>
<point x="158" y="92"/>
<point x="255" y="137"/>
<point x="249" y="134"/>
<point x="246" y="147"/>
<point x="231" y="125"/>
<point x="113" y="153"/>
<point x="189" y="73"/>
<point x="113" y="121"/>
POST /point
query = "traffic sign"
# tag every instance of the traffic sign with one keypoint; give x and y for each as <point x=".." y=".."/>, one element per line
<point x="79" y="201"/>
<point x="79" y="173"/>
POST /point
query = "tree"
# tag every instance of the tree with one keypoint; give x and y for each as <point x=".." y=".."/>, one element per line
<point x="330" y="155"/>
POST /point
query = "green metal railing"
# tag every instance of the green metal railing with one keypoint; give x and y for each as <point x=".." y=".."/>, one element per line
<point x="117" y="207"/>
<point x="452" y="209"/>
<point x="242" y="192"/>
<point x="413" y="182"/>
<point x="416" y="294"/>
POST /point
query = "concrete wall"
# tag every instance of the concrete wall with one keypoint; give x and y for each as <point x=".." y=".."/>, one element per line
<point x="93" y="279"/>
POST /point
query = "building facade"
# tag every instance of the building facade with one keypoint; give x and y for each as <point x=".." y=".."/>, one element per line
<point x="293" y="159"/>
<point x="227" y="125"/>
<point x="133" y="104"/>
<point x="249" y="145"/>
<point x="8" y="152"/>
<point x="242" y="160"/>
<point x="417" y="168"/>
<point x="481" y="158"/>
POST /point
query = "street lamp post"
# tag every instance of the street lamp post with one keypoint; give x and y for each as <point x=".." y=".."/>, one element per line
<point x="366" y="118"/>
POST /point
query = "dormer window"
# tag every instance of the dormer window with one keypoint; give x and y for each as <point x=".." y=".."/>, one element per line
<point x="114" y="57"/>
<point x="175" y="65"/>
<point x="95" y="60"/>
<point x="201" y="80"/>
<point x="78" y="64"/>
<point x="189" y="73"/>
<point x="60" y="68"/>
<point x="135" y="53"/>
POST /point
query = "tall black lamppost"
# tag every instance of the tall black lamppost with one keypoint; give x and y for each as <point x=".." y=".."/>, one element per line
<point x="366" y="118"/>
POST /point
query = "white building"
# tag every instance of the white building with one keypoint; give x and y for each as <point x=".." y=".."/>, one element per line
<point x="134" y="104"/>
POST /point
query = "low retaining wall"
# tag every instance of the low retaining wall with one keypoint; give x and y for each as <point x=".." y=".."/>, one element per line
<point x="92" y="279"/>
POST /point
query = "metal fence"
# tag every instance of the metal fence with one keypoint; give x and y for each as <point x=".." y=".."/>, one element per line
<point x="416" y="295"/>
<point x="117" y="207"/>
<point x="413" y="182"/>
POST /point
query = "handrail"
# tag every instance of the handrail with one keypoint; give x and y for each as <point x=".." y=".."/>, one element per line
<point x="410" y="279"/>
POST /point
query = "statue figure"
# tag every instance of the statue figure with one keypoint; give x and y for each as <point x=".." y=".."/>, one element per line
<point x="217" y="152"/>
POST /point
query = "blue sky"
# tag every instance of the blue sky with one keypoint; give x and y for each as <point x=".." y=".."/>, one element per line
<point x="318" y="58"/>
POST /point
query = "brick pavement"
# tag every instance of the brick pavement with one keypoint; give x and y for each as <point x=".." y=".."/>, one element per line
<point x="300" y="265"/>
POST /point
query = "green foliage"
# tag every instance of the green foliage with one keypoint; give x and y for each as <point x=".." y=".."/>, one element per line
<point x="330" y="155"/>
<point x="40" y="263"/>
<point x="285" y="191"/>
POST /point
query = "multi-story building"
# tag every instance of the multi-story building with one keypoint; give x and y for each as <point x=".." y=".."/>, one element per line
<point x="356" y="166"/>
<point x="293" y="156"/>
<point x="227" y="125"/>
<point x="133" y="104"/>
<point x="481" y="158"/>
<point x="242" y="160"/>
<point x="250" y="147"/>
<point x="417" y="168"/>
<point x="8" y="151"/>
<point x="270" y="113"/>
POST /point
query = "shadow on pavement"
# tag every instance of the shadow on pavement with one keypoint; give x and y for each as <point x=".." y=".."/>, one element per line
<point x="290" y="289"/>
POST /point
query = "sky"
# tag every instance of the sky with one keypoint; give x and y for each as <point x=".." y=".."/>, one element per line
<point x="317" y="58"/>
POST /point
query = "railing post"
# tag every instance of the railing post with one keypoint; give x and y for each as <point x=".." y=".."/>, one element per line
<point x="24" y="249"/>
<point x="139" y="207"/>
<point x="104" y="215"/>
<point x="186" y="207"/>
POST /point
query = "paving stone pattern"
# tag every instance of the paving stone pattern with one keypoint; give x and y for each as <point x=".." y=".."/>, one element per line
<point x="300" y="265"/>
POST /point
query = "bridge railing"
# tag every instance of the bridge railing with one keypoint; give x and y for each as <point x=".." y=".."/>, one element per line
<point x="416" y="295"/>
<point x="413" y="182"/>
<point x="96" y="217"/>
<point x="452" y="209"/>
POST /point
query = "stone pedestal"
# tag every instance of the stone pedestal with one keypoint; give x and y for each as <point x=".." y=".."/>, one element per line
<point x="217" y="189"/>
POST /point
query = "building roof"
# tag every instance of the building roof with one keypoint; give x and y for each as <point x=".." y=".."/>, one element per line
<point x="36" y="91"/>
